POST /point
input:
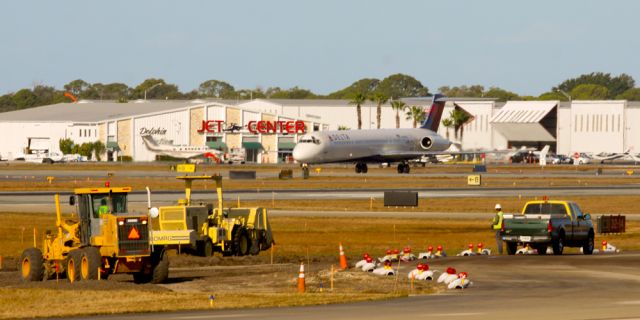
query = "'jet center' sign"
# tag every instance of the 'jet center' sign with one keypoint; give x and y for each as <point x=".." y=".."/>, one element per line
<point x="255" y="127"/>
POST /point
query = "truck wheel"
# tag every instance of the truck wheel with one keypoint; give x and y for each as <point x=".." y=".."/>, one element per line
<point x="32" y="265"/>
<point x="73" y="265"/>
<point x="90" y="263"/>
<point x="207" y="248"/>
<point x="512" y="248"/>
<point x="588" y="246"/>
<point x="254" y="250"/>
<point x="558" y="245"/>
<point x="241" y="242"/>
<point x="160" y="268"/>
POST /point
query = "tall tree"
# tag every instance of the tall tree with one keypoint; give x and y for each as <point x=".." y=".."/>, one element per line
<point x="293" y="93"/>
<point x="216" y="89"/>
<point x="398" y="106"/>
<point x="77" y="87"/>
<point x="24" y="99"/>
<point x="473" y="91"/>
<point x="500" y="94"/>
<point x="459" y="118"/>
<point x="631" y="95"/>
<point x="589" y="92"/>
<point x="400" y="85"/>
<point x="615" y="85"/>
<point x="416" y="114"/>
<point x="358" y="100"/>
<point x="156" y="89"/>
<point x="365" y="86"/>
<point x="448" y="124"/>
<point x="380" y="99"/>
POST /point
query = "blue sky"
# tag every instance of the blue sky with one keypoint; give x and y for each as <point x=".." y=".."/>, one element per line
<point x="526" y="47"/>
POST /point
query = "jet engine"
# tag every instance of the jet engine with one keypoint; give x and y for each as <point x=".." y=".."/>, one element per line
<point x="434" y="142"/>
<point x="426" y="143"/>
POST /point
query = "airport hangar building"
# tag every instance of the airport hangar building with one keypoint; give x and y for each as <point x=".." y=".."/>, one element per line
<point x="268" y="126"/>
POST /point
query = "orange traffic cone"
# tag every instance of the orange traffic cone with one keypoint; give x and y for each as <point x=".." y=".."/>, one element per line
<point x="343" y="259"/>
<point x="301" y="284"/>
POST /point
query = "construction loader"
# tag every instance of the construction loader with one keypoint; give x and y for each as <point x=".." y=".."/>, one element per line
<point x="104" y="239"/>
<point x="204" y="229"/>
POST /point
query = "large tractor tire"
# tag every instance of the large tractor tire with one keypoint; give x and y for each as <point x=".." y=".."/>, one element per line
<point x="160" y="268"/>
<point x="542" y="249"/>
<point x="205" y="248"/>
<point x="256" y="239"/>
<point x="159" y="271"/>
<point x="90" y="263"/>
<point x="32" y="265"/>
<point x="73" y="265"/>
<point x="241" y="242"/>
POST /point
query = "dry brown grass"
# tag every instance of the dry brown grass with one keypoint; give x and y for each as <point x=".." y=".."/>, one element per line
<point x="37" y="302"/>
<point x="36" y="183"/>
<point x="595" y="205"/>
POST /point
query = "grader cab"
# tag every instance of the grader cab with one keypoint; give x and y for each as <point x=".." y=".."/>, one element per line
<point x="230" y="231"/>
<point x="104" y="239"/>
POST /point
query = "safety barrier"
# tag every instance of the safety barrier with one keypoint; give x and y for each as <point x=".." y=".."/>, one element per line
<point x="611" y="224"/>
<point x="285" y="174"/>
<point x="242" y="175"/>
<point x="400" y="199"/>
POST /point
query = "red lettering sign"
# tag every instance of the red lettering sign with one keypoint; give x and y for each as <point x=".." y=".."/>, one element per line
<point x="257" y="127"/>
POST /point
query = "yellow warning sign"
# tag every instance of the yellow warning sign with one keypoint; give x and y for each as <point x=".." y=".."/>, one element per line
<point x="186" y="168"/>
<point x="474" y="180"/>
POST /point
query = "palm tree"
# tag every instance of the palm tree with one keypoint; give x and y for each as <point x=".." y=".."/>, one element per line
<point x="398" y="106"/>
<point x="358" y="100"/>
<point x="447" y="123"/>
<point x="459" y="118"/>
<point x="380" y="99"/>
<point x="416" y="113"/>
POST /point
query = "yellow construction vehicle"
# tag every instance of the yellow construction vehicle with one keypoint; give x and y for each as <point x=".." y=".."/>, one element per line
<point x="104" y="239"/>
<point x="230" y="231"/>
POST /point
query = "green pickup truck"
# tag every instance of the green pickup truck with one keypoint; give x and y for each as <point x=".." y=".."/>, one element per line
<point x="541" y="224"/>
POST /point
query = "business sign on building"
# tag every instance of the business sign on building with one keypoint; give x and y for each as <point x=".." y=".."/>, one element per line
<point x="254" y="127"/>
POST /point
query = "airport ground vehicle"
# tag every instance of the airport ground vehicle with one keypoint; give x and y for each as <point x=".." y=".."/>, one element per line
<point x="204" y="229"/>
<point x="542" y="223"/>
<point x="105" y="239"/>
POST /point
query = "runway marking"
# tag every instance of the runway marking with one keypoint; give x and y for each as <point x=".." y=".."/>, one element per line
<point x="464" y="314"/>
<point x="218" y="316"/>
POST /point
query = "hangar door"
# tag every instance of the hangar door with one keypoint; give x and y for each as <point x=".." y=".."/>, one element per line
<point x="39" y="144"/>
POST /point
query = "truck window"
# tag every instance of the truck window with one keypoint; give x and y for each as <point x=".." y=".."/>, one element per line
<point x="116" y="203"/>
<point x="576" y="210"/>
<point x="545" y="208"/>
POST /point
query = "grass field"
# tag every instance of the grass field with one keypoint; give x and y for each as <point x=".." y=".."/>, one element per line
<point x="32" y="302"/>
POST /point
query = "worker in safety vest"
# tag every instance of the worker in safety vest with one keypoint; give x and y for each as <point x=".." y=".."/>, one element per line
<point x="103" y="208"/>
<point x="497" y="227"/>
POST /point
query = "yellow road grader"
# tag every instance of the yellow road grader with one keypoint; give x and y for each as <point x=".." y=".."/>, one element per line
<point x="204" y="229"/>
<point x="104" y="239"/>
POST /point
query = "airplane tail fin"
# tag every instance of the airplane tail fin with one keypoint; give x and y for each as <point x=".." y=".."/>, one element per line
<point x="544" y="151"/>
<point x="147" y="139"/>
<point x="432" y="122"/>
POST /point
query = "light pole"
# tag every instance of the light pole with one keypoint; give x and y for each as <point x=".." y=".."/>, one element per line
<point x="565" y="94"/>
<point x="149" y="89"/>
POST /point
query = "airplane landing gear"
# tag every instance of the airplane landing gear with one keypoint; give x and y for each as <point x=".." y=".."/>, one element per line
<point x="403" y="168"/>
<point x="361" y="167"/>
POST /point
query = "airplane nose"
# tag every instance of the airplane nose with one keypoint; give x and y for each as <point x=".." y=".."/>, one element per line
<point x="298" y="153"/>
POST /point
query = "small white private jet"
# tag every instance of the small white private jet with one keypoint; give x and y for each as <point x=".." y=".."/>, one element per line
<point x="182" y="151"/>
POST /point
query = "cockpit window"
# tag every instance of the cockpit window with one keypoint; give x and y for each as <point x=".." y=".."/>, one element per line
<point x="311" y="139"/>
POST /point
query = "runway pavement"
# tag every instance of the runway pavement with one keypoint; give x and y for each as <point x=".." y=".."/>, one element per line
<point x="505" y="287"/>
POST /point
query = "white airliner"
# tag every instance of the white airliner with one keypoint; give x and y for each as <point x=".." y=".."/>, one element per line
<point x="181" y="151"/>
<point x="376" y="145"/>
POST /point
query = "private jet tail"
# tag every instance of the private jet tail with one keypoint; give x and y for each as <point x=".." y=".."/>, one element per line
<point x="432" y="122"/>
<point x="148" y="140"/>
